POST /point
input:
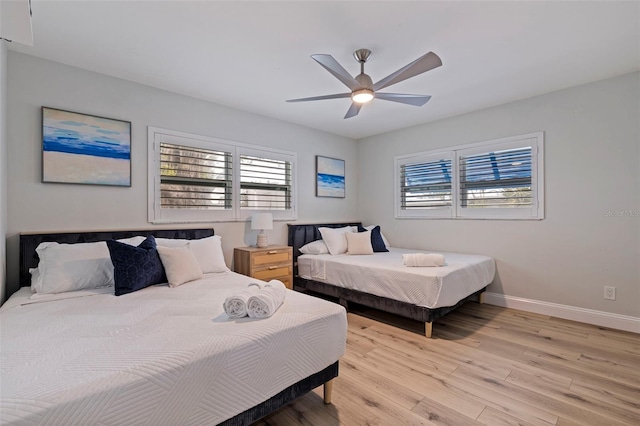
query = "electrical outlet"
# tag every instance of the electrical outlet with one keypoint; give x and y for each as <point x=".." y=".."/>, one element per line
<point x="609" y="292"/>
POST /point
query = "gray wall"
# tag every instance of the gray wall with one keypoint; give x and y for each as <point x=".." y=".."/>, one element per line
<point x="34" y="206"/>
<point x="592" y="163"/>
<point x="3" y="167"/>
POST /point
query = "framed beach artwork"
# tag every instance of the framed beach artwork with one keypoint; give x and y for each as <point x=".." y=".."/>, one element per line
<point x="85" y="149"/>
<point x="329" y="177"/>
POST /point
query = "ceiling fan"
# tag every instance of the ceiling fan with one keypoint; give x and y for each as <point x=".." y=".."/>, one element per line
<point x="362" y="88"/>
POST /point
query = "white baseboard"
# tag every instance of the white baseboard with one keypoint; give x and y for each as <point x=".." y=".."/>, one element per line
<point x="589" y="316"/>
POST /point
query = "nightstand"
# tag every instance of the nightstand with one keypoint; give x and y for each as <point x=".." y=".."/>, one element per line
<point x="268" y="263"/>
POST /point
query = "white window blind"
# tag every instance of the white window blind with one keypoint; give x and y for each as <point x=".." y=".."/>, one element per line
<point x="265" y="184"/>
<point x="195" y="178"/>
<point x="499" y="179"/>
<point x="200" y="179"/>
<point x="426" y="185"/>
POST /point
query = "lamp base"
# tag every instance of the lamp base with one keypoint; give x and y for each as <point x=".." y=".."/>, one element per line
<point x="262" y="240"/>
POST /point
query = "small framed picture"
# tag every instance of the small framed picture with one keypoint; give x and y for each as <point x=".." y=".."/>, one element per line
<point x="329" y="177"/>
<point x="85" y="149"/>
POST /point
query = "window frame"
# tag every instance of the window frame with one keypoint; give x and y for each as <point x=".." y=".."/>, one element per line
<point x="535" y="212"/>
<point x="156" y="214"/>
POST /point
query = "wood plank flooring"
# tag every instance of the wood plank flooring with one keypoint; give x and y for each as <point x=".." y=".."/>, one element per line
<point x="485" y="365"/>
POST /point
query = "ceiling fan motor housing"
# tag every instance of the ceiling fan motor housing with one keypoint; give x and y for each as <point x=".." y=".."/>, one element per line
<point x="364" y="80"/>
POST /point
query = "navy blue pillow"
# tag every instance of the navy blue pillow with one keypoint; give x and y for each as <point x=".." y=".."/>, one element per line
<point x="376" y="239"/>
<point x="135" y="268"/>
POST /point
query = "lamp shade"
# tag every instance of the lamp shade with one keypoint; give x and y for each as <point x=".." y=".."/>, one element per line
<point x="262" y="221"/>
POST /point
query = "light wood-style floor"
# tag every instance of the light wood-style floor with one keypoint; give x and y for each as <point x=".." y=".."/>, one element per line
<point x="484" y="365"/>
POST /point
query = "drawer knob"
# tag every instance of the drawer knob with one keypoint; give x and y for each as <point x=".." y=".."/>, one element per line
<point x="271" y="268"/>
<point x="272" y="252"/>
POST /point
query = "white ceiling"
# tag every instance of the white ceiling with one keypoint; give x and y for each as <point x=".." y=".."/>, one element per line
<point x="254" y="55"/>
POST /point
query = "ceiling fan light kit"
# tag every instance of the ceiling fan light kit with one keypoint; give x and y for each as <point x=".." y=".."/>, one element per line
<point x="362" y="96"/>
<point x="363" y="89"/>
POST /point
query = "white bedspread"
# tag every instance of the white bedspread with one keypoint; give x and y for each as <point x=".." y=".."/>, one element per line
<point x="384" y="274"/>
<point x="159" y="356"/>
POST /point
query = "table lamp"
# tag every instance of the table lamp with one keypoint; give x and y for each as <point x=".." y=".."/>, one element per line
<point x="262" y="221"/>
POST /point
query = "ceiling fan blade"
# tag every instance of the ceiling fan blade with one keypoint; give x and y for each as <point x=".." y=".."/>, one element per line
<point x="354" y="109"/>
<point x="337" y="70"/>
<point x="420" y="65"/>
<point x="415" y="100"/>
<point x="320" y="98"/>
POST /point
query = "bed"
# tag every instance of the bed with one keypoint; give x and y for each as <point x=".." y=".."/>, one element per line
<point x="381" y="281"/>
<point x="160" y="355"/>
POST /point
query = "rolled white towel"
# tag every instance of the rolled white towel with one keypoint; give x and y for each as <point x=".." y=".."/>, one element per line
<point x="423" y="259"/>
<point x="236" y="305"/>
<point x="267" y="301"/>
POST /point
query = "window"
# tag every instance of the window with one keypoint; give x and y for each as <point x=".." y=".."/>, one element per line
<point x="265" y="183"/>
<point x="425" y="185"/>
<point x="499" y="179"/>
<point x="194" y="178"/>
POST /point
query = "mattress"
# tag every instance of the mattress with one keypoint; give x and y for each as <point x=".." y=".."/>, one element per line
<point x="159" y="356"/>
<point x="384" y="274"/>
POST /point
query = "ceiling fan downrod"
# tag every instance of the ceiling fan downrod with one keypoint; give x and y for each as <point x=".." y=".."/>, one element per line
<point x="365" y="81"/>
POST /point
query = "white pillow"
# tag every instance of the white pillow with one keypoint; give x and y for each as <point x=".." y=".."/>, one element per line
<point x="315" y="247"/>
<point x="36" y="279"/>
<point x="208" y="253"/>
<point x="180" y="265"/>
<point x="71" y="267"/>
<point x="359" y="243"/>
<point x="384" y="240"/>
<point x="335" y="239"/>
<point x="171" y="242"/>
<point x="133" y="241"/>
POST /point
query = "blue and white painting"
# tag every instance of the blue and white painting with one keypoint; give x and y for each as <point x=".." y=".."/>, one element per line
<point x="79" y="148"/>
<point x="330" y="177"/>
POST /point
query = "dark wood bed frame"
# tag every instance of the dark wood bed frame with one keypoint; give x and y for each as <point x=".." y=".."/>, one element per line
<point x="301" y="234"/>
<point x="29" y="259"/>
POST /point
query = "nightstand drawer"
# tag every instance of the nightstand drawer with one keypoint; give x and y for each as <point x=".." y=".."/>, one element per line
<point x="271" y="257"/>
<point x="272" y="272"/>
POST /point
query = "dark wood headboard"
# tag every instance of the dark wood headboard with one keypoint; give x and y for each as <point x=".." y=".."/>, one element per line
<point x="301" y="234"/>
<point x="29" y="242"/>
